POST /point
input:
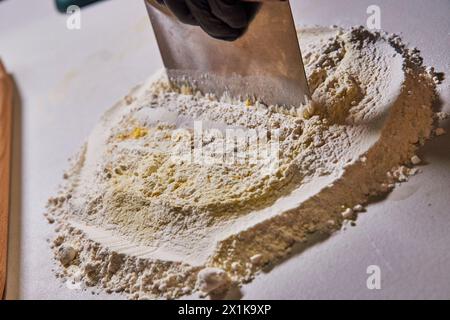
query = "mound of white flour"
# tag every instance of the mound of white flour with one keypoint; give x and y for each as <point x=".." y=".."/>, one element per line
<point x="173" y="182"/>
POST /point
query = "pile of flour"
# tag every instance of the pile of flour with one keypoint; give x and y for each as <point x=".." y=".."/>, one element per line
<point x="152" y="209"/>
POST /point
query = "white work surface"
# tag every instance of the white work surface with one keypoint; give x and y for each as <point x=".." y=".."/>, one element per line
<point x="67" y="79"/>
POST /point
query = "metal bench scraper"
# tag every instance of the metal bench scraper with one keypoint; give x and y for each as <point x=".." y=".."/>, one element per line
<point x="265" y="63"/>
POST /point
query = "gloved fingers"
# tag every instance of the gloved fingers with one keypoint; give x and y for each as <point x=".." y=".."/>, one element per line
<point x="211" y="24"/>
<point x="232" y="12"/>
<point x="181" y="11"/>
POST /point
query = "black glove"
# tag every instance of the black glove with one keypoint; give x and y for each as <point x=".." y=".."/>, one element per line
<point x="221" y="19"/>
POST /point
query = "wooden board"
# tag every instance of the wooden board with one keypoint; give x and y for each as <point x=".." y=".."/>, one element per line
<point x="5" y="156"/>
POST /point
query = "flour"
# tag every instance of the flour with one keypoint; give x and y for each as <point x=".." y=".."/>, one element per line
<point x="176" y="191"/>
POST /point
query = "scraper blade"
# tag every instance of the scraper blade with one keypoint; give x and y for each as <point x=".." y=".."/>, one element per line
<point x="265" y="63"/>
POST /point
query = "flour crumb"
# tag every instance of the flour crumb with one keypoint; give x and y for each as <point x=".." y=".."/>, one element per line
<point x="348" y="213"/>
<point x="211" y="280"/>
<point x="129" y="99"/>
<point x="439" y="132"/>
<point x="235" y="266"/>
<point x="442" y="115"/>
<point x="66" y="254"/>
<point x="256" y="259"/>
<point x="415" y="160"/>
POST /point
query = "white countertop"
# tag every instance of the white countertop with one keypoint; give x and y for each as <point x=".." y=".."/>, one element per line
<point x="67" y="79"/>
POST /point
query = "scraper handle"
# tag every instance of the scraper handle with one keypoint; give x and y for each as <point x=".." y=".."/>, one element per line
<point x="62" y="5"/>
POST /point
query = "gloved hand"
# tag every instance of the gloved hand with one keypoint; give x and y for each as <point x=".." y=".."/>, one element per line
<point x="221" y="19"/>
